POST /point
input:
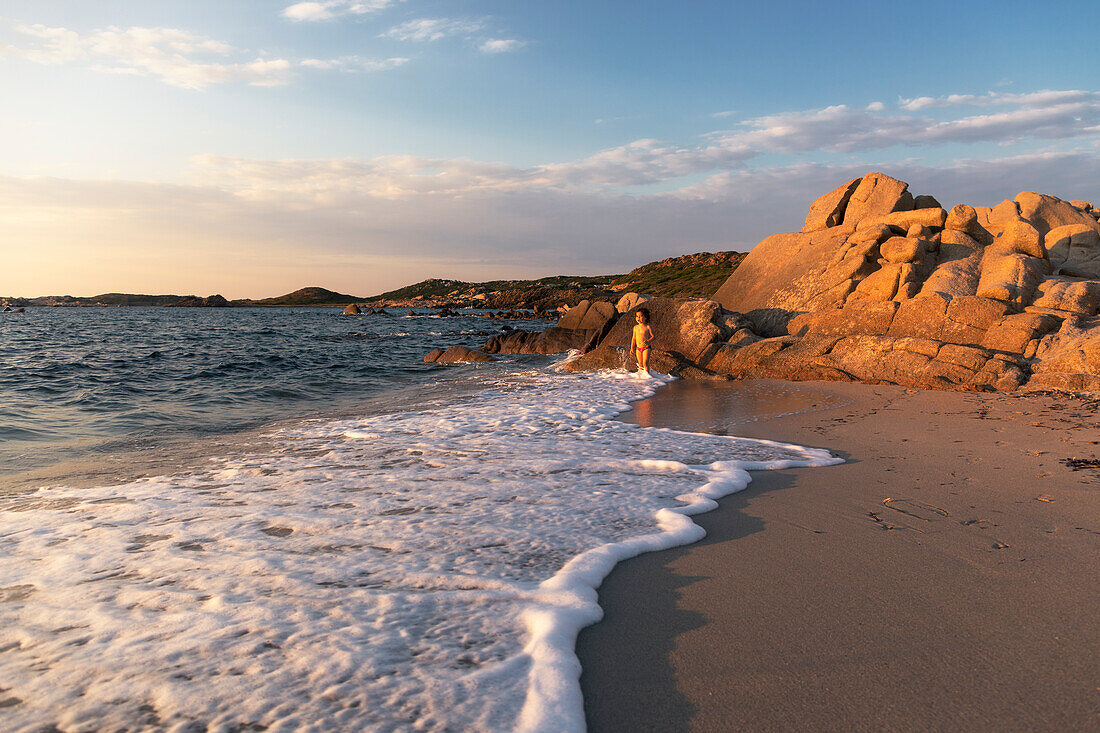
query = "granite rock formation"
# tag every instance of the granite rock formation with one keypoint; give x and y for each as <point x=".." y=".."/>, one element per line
<point x="580" y="327"/>
<point x="877" y="289"/>
<point x="879" y="286"/>
<point x="629" y="301"/>
<point x="686" y="332"/>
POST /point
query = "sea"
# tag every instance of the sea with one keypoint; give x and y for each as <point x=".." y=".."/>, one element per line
<point x="283" y="519"/>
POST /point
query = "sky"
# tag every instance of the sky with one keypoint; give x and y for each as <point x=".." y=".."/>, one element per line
<point x="253" y="147"/>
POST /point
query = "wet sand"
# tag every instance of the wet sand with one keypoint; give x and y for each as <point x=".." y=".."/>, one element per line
<point x="947" y="577"/>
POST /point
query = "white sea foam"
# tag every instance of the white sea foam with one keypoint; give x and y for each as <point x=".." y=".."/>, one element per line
<point x="424" y="570"/>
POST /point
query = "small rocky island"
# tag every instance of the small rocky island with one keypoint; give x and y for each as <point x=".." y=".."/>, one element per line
<point x="879" y="286"/>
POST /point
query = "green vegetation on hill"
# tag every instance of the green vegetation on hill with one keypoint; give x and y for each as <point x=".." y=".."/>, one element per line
<point x="305" y="296"/>
<point x="438" y="288"/>
<point x="135" y="299"/>
<point x="690" y="276"/>
<point x="110" y="299"/>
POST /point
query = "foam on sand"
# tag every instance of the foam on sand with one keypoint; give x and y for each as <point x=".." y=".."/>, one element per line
<point x="424" y="569"/>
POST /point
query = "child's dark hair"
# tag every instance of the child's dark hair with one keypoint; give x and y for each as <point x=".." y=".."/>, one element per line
<point x="644" y="312"/>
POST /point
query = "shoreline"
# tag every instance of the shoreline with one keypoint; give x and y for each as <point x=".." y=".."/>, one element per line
<point x="296" y="535"/>
<point x="938" y="577"/>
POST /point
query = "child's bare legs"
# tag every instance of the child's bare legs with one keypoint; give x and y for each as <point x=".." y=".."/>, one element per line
<point x="643" y="360"/>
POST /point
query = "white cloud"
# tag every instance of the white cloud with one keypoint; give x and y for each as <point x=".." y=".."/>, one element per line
<point x="919" y="103"/>
<point x="1055" y="122"/>
<point x="836" y="129"/>
<point x="393" y="177"/>
<point x="436" y="29"/>
<point x="876" y="107"/>
<point x="1043" y="98"/>
<point x="338" y="219"/>
<point x="643" y="162"/>
<point x="283" y="224"/>
<point x="328" y="9"/>
<point x="501" y="45"/>
<point x="354" y="64"/>
<point x="620" y="118"/>
<point x="175" y="57"/>
<point x="1052" y="115"/>
<point x="433" y="29"/>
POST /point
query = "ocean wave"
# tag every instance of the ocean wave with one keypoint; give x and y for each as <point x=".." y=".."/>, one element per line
<point x="82" y="375"/>
<point x="423" y="569"/>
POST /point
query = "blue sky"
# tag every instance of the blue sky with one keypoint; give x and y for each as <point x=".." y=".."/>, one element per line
<point x="253" y="147"/>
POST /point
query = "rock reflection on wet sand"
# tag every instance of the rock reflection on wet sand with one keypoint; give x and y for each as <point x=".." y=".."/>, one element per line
<point x="716" y="407"/>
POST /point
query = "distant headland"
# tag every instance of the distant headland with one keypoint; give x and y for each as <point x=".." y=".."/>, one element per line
<point x="694" y="275"/>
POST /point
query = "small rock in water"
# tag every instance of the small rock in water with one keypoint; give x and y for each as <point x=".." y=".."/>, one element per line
<point x="456" y="355"/>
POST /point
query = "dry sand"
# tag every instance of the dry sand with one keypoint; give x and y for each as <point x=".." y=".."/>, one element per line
<point x="944" y="578"/>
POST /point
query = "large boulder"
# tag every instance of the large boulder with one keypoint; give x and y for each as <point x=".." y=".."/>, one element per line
<point x="791" y="273"/>
<point x="588" y="315"/>
<point x="867" y="318"/>
<point x="352" y="310"/>
<point x="903" y="249"/>
<point x="877" y="194"/>
<point x="1067" y="295"/>
<point x="787" y="274"/>
<point x="1010" y="276"/>
<point x="963" y="218"/>
<point x="581" y="327"/>
<point x="920" y="317"/>
<point x="893" y="281"/>
<point x="619" y="357"/>
<point x="1014" y="332"/>
<point x="686" y="327"/>
<point x="1069" y="358"/>
<point x="1021" y="237"/>
<point x="685" y="330"/>
<point x="630" y="301"/>
<point x="597" y="316"/>
<point x="964" y="320"/>
<point x="958" y="266"/>
<point x="931" y="218"/>
<point x="1074" y="250"/>
<point x="553" y="340"/>
<point x="456" y="355"/>
<point x="1049" y="212"/>
<point x="994" y="220"/>
<point x="967" y="319"/>
<point x="828" y="211"/>
<point x="574" y="316"/>
<point x="911" y="362"/>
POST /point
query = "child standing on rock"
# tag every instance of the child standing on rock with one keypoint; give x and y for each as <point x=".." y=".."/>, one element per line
<point x="640" y="339"/>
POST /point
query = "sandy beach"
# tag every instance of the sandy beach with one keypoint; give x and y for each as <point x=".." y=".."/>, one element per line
<point x="943" y="578"/>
